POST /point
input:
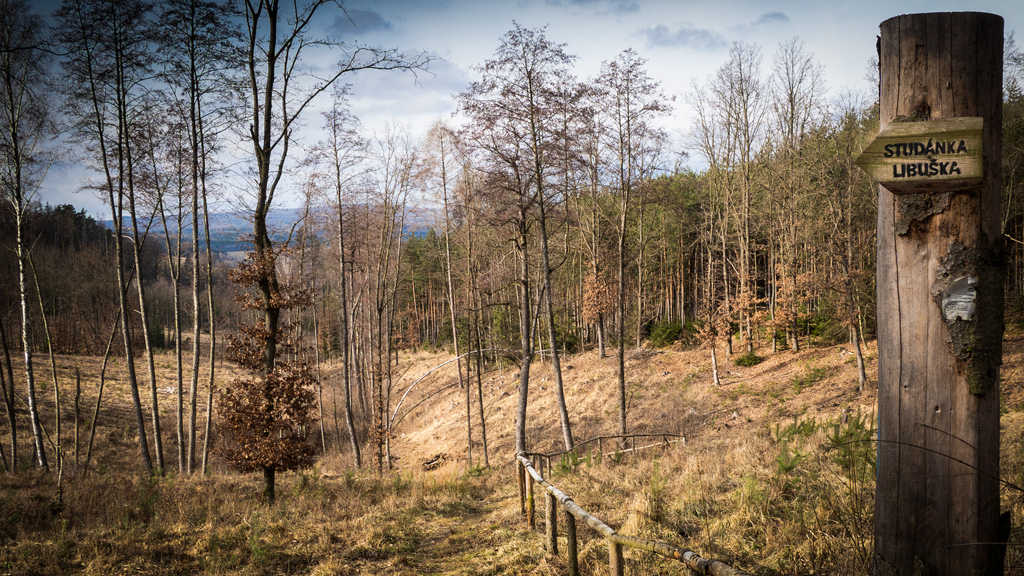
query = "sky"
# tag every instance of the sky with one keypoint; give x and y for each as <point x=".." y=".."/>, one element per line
<point x="683" y="41"/>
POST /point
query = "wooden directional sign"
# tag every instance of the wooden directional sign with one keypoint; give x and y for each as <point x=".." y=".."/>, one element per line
<point x="926" y="156"/>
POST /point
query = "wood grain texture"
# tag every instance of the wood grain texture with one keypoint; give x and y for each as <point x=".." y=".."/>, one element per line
<point x="551" y="523"/>
<point x="937" y="500"/>
<point x="927" y="155"/>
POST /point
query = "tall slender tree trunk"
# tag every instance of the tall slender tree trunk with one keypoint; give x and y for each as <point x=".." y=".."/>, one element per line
<point x="193" y="388"/>
<point x="556" y="365"/>
<point x="862" y="376"/>
<point x="99" y="394"/>
<point x="346" y="316"/>
<point x="58" y="447"/>
<point x="346" y="351"/>
<point x="475" y="315"/>
<point x="620" y="314"/>
<point x="26" y="343"/>
<point x="725" y="289"/>
<point x="129" y="347"/>
<point x="158" y="445"/>
<point x="211" y="312"/>
<point x="451" y="305"/>
<point x="319" y="381"/>
<point x="12" y="419"/>
<point x="640" y="279"/>
<point x="174" y="266"/>
<point x="525" y="339"/>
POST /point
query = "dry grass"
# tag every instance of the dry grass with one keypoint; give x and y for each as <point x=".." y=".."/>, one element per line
<point x="359" y="524"/>
<point x="757" y="483"/>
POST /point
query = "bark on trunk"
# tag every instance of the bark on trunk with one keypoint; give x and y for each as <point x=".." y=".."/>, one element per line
<point x="525" y="341"/>
<point x="556" y="364"/>
<point x="26" y="343"/>
<point x="12" y="419"/>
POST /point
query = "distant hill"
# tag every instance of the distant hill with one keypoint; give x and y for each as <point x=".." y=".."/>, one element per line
<point x="230" y="232"/>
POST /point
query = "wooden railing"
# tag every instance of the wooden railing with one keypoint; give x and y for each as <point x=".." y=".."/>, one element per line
<point x="623" y="444"/>
<point x="527" y="475"/>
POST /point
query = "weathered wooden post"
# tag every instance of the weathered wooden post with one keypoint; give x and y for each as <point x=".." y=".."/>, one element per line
<point x="572" y="544"/>
<point x="530" y="507"/>
<point x="940" y="294"/>
<point x="521" y="481"/>
<point x="551" y="523"/>
<point x="616" y="565"/>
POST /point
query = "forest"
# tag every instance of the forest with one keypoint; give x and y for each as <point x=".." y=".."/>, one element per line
<point x="552" y="215"/>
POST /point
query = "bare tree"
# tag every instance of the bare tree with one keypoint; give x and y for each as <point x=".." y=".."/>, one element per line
<point x="107" y="63"/>
<point x="200" y="47"/>
<point x="343" y="151"/>
<point x="277" y="37"/>
<point x="796" y="95"/>
<point x="632" y="101"/>
<point x="24" y="113"/>
<point x="441" y="140"/>
<point x="740" y="89"/>
<point x="512" y="108"/>
<point x="173" y="244"/>
<point x="391" y="179"/>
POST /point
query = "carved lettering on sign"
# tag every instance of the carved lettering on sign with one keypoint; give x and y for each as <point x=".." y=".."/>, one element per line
<point x="926" y="156"/>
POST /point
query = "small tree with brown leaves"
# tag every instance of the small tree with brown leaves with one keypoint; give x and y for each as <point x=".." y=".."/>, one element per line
<point x="267" y="416"/>
<point x="598" y="300"/>
<point x="707" y="334"/>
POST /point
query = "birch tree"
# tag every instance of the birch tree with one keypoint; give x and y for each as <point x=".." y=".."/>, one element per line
<point x="24" y="124"/>
<point x="107" y="63"/>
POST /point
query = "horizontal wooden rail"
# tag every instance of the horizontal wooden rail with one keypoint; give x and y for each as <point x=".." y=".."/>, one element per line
<point x="547" y="456"/>
<point x="528" y="475"/>
<point x="600" y="441"/>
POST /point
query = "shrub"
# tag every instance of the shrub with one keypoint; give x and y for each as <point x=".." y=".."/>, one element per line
<point x="748" y="359"/>
<point x="805" y="380"/>
<point x="665" y="333"/>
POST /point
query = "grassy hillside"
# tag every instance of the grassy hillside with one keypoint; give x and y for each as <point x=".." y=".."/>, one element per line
<point x="774" y="477"/>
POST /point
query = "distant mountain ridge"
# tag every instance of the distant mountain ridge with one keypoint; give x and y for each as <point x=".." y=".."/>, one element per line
<point x="231" y="232"/>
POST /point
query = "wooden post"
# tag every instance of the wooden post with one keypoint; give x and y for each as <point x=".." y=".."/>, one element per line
<point x="940" y="306"/>
<point x="521" y="480"/>
<point x="571" y="544"/>
<point x="615" y="562"/>
<point x="551" y="522"/>
<point x="530" y="508"/>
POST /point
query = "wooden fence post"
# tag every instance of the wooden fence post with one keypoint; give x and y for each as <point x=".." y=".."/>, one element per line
<point x="551" y="522"/>
<point x="529" y="502"/>
<point x="521" y="480"/>
<point x="615" y="561"/>
<point x="940" y="296"/>
<point x="571" y="544"/>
